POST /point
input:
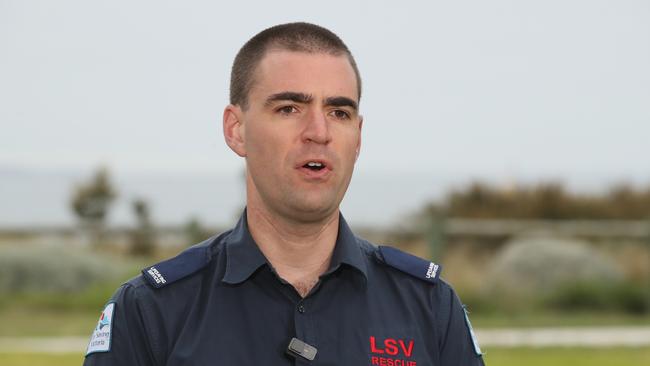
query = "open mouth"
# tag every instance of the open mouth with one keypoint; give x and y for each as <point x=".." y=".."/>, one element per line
<point x="314" y="166"/>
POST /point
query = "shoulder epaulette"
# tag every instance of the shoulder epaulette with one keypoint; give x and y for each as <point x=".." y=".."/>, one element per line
<point x="410" y="264"/>
<point x="186" y="263"/>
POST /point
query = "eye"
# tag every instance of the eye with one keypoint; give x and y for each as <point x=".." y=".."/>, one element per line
<point x="340" y="114"/>
<point x="287" y="109"/>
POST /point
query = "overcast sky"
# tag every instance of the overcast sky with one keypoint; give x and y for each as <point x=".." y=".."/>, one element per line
<point x="504" y="91"/>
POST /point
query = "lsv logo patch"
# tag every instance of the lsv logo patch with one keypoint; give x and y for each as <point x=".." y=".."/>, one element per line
<point x="391" y="352"/>
<point x="100" y="340"/>
<point x="103" y="321"/>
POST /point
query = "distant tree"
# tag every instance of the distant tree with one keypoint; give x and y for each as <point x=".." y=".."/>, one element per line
<point x="91" y="202"/>
<point x="195" y="231"/>
<point x="143" y="242"/>
<point x="546" y="200"/>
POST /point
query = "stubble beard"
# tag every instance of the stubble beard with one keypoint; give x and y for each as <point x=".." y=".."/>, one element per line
<point x="295" y="203"/>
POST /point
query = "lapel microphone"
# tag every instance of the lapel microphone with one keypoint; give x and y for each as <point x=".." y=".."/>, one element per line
<point x="299" y="348"/>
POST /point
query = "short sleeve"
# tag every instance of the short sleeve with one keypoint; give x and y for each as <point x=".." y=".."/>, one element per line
<point x="119" y="338"/>
<point x="458" y="344"/>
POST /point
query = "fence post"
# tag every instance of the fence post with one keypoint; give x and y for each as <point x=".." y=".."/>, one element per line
<point x="436" y="237"/>
<point x="647" y="242"/>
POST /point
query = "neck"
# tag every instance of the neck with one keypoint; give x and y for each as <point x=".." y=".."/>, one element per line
<point x="299" y="252"/>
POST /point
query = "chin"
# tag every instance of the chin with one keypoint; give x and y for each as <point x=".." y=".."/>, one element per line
<point x="313" y="211"/>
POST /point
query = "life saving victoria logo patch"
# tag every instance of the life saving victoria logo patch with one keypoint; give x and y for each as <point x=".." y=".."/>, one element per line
<point x="100" y="341"/>
<point x="391" y="351"/>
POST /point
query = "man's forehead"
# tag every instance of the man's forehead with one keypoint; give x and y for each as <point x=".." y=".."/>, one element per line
<point x="321" y="75"/>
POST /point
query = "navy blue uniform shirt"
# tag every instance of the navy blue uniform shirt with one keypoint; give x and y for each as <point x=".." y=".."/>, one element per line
<point x="221" y="303"/>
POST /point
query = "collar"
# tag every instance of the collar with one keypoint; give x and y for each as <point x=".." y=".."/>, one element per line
<point x="347" y="251"/>
<point x="243" y="256"/>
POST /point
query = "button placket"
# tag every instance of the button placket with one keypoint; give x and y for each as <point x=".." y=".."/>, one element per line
<point x="304" y="328"/>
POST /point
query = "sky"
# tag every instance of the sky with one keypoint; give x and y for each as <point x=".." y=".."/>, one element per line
<point x="502" y="91"/>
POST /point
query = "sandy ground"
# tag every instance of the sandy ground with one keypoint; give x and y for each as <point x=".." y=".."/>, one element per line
<point x="569" y="337"/>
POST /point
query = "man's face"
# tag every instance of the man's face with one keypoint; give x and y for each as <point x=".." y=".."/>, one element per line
<point x="301" y="133"/>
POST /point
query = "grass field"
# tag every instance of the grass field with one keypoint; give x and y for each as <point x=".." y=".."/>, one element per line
<point x="46" y="323"/>
<point x="567" y="356"/>
<point x="557" y="319"/>
<point x="493" y="357"/>
<point x="31" y="359"/>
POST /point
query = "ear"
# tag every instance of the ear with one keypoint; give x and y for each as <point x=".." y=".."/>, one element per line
<point x="359" y="142"/>
<point x="233" y="129"/>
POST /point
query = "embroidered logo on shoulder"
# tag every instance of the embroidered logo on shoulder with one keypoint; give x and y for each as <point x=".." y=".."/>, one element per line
<point x="186" y="263"/>
<point x="156" y="276"/>
<point x="100" y="341"/>
<point x="477" y="349"/>
<point x="410" y="264"/>
<point x="432" y="271"/>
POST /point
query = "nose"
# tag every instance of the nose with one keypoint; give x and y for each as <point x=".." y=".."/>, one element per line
<point x="316" y="128"/>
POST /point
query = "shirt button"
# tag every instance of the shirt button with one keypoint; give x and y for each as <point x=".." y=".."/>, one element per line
<point x="301" y="309"/>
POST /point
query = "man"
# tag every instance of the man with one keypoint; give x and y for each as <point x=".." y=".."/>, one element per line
<point x="290" y="284"/>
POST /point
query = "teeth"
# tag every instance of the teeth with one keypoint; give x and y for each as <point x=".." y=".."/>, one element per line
<point x="314" y="164"/>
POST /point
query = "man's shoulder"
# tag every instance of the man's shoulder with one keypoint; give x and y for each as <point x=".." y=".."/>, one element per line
<point x="401" y="262"/>
<point x="186" y="264"/>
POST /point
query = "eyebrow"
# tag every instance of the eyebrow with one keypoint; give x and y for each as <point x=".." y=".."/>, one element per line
<point x="307" y="98"/>
<point x="292" y="96"/>
<point x="341" y="102"/>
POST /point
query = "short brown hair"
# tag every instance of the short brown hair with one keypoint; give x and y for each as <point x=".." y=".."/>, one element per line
<point x="298" y="37"/>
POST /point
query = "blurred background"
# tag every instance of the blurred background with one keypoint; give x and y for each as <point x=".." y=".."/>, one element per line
<point x="506" y="140"/>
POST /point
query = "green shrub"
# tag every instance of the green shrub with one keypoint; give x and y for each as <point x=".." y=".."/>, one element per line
<point x="539" y="265"/>
<point x="61" y="280"/>
<point x="89" y="299"/>
<point x="624" y="297"/>
<point x="53" y="270"/>
<point x="541" y="272"/>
